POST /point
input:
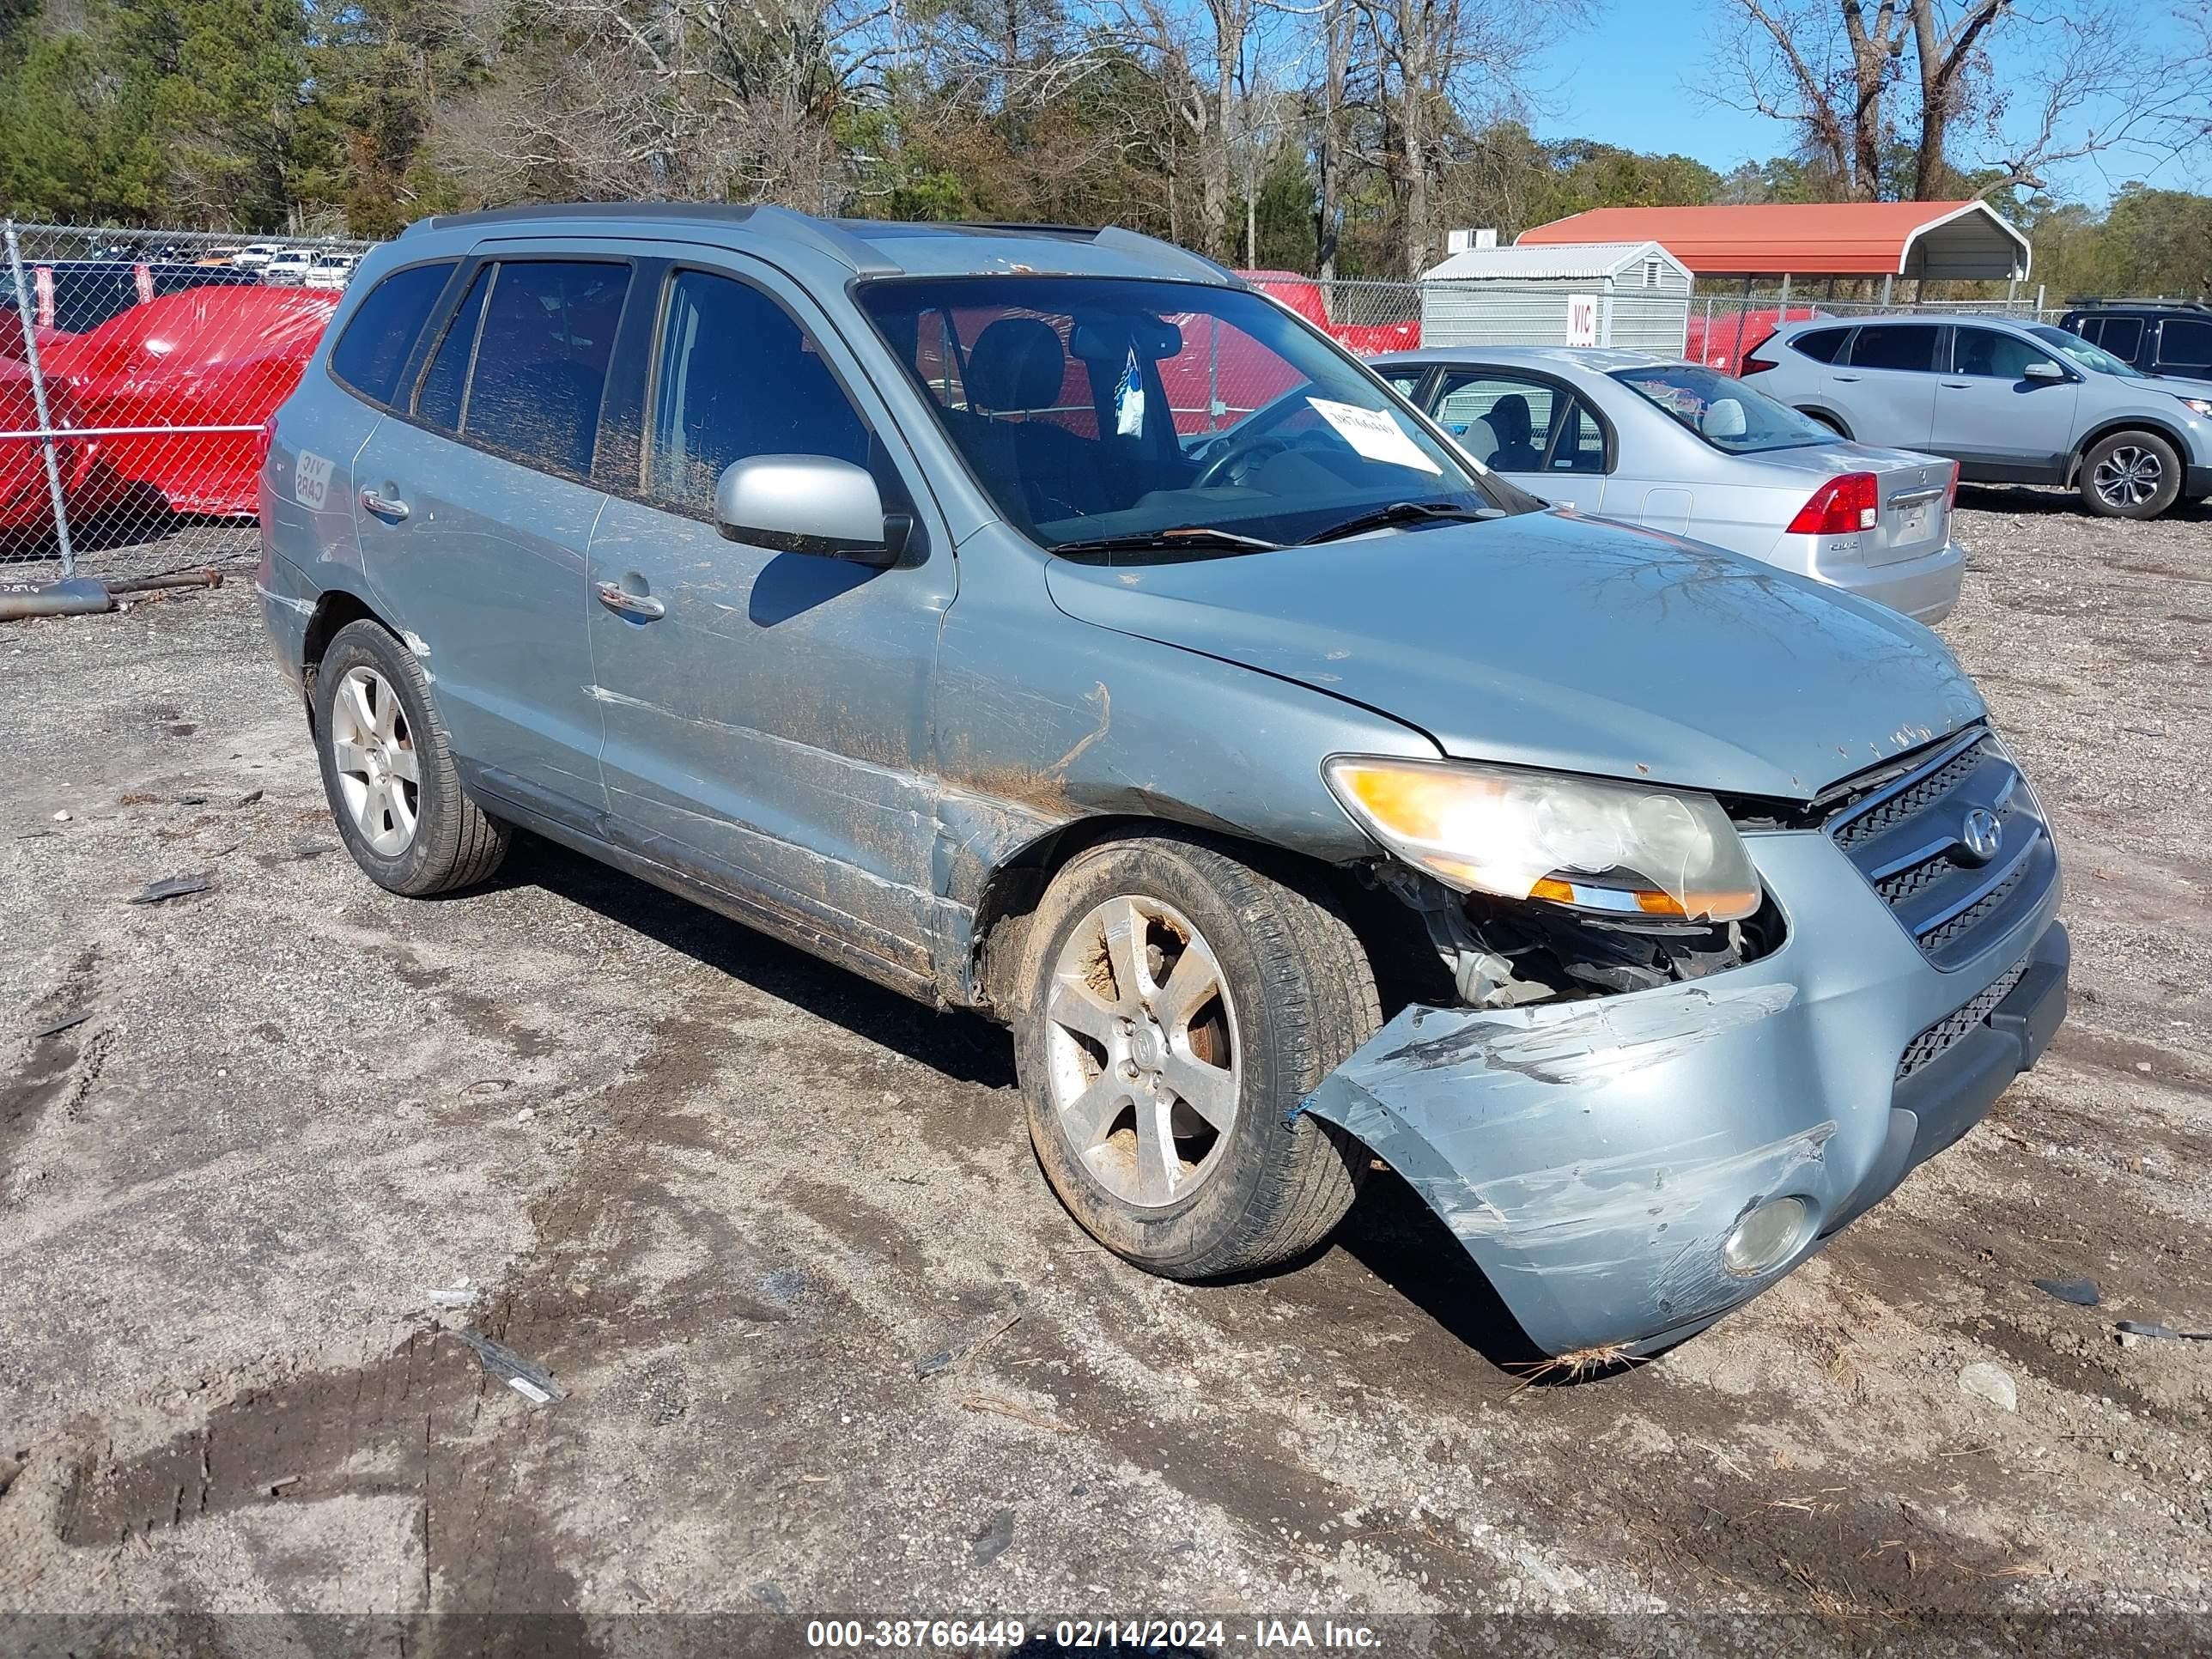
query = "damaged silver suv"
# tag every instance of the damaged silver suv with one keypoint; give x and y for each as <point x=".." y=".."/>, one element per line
<point x="1042" y="622"/>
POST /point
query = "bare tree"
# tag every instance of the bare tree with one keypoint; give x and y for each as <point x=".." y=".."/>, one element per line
<point x="1440" y="64"/>
<point x="2080" y="78"/>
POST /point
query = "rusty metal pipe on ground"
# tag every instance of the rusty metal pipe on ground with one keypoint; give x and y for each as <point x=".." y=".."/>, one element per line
<point x="88" y="596"/>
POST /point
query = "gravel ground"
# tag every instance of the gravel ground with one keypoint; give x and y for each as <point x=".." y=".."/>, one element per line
<point x="728" y="1197"/>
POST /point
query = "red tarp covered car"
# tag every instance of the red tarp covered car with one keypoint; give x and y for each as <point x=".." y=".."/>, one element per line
<point x="208" y="357"/>
<point x="89" y="484"/>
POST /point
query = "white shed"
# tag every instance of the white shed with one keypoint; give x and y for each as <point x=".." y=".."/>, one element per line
<point x="1633" y="295"/>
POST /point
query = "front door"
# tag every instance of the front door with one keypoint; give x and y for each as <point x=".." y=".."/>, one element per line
<point x="767" y="713"/>
<point x="1536" y="432"/>
<point x="475" y="515"/>
<point x="1887" y="389"/>
<point x="1993" y="419"/>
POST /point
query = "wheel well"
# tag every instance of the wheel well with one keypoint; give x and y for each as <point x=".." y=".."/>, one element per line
<point x="2113" y="428"/>
<point x="1010" y="894"/>
<point x="1834" y="423"/>
<point x="334" y="611"/>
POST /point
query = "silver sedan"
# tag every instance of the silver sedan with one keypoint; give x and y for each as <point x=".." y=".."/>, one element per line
<point x="1683" y="448"/>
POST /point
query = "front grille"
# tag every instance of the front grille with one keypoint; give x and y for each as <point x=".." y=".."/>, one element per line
<point x="1909" y="839"/>
<point x="1947" y="1033"/>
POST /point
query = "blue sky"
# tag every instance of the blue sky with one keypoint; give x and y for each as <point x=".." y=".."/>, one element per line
<point x="1636" y="76"/>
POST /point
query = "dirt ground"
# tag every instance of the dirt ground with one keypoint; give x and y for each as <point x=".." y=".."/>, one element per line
<point x="729" y="1198"/>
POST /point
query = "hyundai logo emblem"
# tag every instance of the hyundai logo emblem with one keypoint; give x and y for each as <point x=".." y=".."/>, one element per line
<point x="1981" y="835"/>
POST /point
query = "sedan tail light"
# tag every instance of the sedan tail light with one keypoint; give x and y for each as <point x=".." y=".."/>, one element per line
<point x="1841" y="506"/>
<point x="1951" y="489"/>
<point x="262" y="442"/>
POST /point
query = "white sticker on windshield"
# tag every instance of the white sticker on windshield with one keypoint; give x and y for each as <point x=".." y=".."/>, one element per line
<point x="1375" y="433"/>
<point x="1129" y="401"/>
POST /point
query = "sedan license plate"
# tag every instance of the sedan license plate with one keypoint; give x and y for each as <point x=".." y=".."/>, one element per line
<point x="1913" y="524"/>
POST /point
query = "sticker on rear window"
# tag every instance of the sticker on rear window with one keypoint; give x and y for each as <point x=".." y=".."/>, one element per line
<point x="310" y="480"/>
<point x="1373" y="433"/>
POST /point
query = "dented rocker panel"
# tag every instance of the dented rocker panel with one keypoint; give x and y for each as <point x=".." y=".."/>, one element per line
<point x="1593" y="1156"/>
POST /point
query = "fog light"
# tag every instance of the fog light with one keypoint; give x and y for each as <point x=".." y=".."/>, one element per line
<point x="1764" y="1238"/>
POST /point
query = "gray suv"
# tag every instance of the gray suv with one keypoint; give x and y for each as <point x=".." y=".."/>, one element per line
<point x="1042" y="622"/>
<point x="2011" y="402"/>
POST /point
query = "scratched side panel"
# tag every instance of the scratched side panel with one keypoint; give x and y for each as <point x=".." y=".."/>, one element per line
<point x="1044" y="718"/>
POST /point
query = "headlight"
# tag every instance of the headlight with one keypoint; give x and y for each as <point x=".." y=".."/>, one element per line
<point x="2197" y="405"/>
<point x="1668" y="852"/>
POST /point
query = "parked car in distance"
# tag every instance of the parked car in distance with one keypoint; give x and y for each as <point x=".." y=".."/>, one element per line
<point x="1684" y="448"/>
<point x="2158" y="338"/>
<point x="2011" y="402"/>
<point x="330" y="270"/>
<point x="289" y="268"/>
<point x="74" y="295"/>
<point x="254" y="255"/>
<point x="216" y="359"/>
<point x="1287" y="785"/>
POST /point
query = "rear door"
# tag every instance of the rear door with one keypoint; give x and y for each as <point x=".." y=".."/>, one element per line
<point x="476" y="510"/>
<point x="2184" y="347"/>
<point x="1996" y="421"/>
<point x="767" y="713"/>
<point x="1887" y="389"/>
<point x="1533" y="431"/>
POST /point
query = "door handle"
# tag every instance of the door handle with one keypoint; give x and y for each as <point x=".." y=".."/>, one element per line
<point x="620" y="600"/>
<point x="384" y="507"/>
<point x="1958" y="385"/>
<point x="1853" y="378"/>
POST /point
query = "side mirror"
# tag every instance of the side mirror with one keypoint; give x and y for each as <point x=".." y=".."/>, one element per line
<point x="2043" y="369"/>
<point x="809" y="504"/>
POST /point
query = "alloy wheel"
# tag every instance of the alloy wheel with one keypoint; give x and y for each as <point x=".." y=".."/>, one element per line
<point x="2129" y="476"/>
<point x="373" y="749"/>
<point x="1145" y="1066"/>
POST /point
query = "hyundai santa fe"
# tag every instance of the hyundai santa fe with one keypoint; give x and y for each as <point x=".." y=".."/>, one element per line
<point x="1043" y="623"/>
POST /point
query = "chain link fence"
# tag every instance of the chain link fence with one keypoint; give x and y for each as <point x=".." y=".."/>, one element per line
<point x="137" y="369"/>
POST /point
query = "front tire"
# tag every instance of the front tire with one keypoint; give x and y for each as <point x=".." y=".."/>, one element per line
<point x="388" y="770"/>
<point x="1177" y="1005"/>
<point x="2130" y="475"/>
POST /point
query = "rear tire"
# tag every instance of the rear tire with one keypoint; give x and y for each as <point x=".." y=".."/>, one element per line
<point x="1162" y="970"/>
<point x="388" y="770"/>
<point x="1827" y="419"/>
<point x="2130" y="475"/>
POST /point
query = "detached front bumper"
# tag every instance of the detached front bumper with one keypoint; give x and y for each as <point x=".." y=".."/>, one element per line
<point x="1594" y="1156"/>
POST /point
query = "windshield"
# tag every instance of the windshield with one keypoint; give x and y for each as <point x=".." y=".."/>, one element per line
<point x="1099" y="408"/>
<point x="2078" y="351"/>
<point x="1730" y="415"/>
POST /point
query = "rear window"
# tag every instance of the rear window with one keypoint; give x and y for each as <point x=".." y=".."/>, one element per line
<point x="1728" y="415"/>
<point x="373" y="351"/>
<point x="2184" y="342"/>
<point x="1895" y="345"/>
<point x="1822" y="344"/>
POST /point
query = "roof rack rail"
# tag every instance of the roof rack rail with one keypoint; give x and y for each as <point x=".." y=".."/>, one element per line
<point x="818" y="233"/>
<point x="2159" y="304"/>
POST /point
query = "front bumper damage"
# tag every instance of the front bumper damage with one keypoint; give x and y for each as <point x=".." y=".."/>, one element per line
<point x="1594" y="1156"/>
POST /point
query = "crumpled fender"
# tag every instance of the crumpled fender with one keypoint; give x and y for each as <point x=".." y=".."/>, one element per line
<point x="1594" y="1156"/>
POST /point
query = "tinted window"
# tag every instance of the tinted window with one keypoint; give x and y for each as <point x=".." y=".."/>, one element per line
<point x="438" y="401"/>
<point x="2183" y="344"/>
<point x="1992" y="355"/>
<point x="374" y="348"/>
<point x="736" y="377"/>
<point x="541" y="365"/>
<point x="1895" y="345"/>
<point x="1822" y="344"/>
<point x="2121" y="336"/>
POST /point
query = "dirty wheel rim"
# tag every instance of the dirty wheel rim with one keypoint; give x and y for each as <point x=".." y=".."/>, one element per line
<point x="2129" y="476"/>
<point x="1147" y="1066"/>
<point x="379" y="775"/>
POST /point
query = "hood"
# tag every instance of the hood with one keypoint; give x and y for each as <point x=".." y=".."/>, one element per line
<point x="1548" y="640"/>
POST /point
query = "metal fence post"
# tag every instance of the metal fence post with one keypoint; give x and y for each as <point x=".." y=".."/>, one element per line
<point x="27" y="315"/>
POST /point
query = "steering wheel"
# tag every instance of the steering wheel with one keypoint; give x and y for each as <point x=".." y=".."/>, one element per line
<point x="1231" y="465"/>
